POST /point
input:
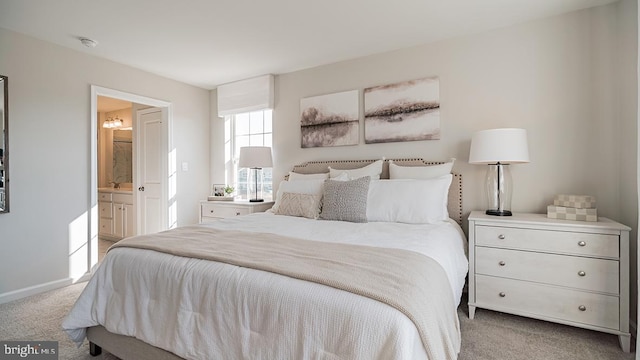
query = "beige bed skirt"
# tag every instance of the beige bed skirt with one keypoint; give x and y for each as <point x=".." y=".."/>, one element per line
<point x="126" y="347"/>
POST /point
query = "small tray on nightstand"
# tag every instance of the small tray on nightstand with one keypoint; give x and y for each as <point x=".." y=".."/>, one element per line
<point x="219" y="198"/>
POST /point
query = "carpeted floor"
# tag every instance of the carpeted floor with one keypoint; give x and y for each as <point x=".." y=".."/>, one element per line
<point x="490" y="336"/>
<point x="39" y="317"/>
<point x="494" y="335"/>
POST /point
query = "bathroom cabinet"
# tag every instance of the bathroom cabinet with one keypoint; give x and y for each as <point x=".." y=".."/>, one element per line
<point x="116" y="214"/>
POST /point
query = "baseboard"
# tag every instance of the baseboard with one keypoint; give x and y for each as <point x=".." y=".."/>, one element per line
<point x="37" y="289"/>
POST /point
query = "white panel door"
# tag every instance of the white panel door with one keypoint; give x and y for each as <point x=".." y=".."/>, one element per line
<point x="152" y="157"/>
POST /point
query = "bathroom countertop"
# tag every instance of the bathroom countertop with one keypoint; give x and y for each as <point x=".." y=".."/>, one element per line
<point x="116" y="191"/>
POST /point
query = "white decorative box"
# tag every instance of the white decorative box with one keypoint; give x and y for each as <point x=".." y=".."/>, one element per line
<point x="570" y="213"/>
<point x="575" y="201"/>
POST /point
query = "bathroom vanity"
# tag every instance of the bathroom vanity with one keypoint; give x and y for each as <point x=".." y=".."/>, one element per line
<point x="116" y="213"/>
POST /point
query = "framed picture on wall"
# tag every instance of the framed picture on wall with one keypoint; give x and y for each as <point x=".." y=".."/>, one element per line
<point x="330" y="120"/>
<point x="404" y="111"/>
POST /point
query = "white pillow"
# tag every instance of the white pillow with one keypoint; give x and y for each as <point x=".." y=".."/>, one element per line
<point x="313" y="187"/>
<point x="373" y="170"/>
<point x="341" y="177"/>
<point x="409" y="201"/>
<point x="298" y="176"/>
<point x="419" y="172"/>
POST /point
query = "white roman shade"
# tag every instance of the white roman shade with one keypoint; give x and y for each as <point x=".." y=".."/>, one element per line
<point x="245" y="96"/>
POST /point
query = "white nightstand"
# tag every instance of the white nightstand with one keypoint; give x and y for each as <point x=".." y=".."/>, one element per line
<point x="570" y="272"/>
<point x="216" y="210"/>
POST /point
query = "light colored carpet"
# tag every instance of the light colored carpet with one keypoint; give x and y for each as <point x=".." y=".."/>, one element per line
<point x="494" y="335"/>
<point x="490" y="336"/>
<point x="39" y="317"/>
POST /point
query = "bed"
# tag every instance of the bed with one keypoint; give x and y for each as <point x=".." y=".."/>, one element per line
<point x="289" y="285"/>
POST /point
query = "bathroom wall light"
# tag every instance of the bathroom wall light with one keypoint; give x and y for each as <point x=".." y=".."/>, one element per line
<point x="112" y="123"/>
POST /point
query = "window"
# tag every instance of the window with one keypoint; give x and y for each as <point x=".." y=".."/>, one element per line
<point x="248" y="129"/>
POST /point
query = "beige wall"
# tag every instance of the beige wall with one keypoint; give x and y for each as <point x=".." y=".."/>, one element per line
<point x="625" y="92"/>
<point x="49" y="102"/>
<point x="553" y="77"/>
<point x="570" y="80"/>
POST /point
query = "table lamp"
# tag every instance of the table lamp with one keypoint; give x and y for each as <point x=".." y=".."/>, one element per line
<point x="256" y="158"/>
<point x="498" y="148"/>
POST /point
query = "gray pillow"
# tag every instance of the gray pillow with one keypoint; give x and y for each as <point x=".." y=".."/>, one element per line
<point x="345" y="200"/>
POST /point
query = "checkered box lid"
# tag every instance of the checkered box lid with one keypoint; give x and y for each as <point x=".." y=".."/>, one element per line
<point x="575" y="201"/>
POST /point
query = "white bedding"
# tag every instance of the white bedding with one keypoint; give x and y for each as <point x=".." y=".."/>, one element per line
<point x="241" y="313"/>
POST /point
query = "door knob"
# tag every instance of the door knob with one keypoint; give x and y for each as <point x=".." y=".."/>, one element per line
<point x="141" y="188"/>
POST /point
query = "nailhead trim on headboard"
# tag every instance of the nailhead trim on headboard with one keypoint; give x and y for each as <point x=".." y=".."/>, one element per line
<point x="455" y="190"/>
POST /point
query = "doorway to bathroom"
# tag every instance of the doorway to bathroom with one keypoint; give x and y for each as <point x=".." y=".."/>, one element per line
<point x="130" y="143"/>
<point x="116" y="212"/>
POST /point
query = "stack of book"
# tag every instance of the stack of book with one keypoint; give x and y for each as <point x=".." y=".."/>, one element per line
<point x="573" y="207"/>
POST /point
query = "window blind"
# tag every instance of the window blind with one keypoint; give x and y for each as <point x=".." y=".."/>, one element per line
<point x="245" y="96"/>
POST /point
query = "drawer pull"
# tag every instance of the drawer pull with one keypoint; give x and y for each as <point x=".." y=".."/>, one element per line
<point x="502" y="294"/>
<point x="502" y="263"/>
<point x="582" y="243"/>
<point x="582" y="273"/>
<point x="237" y="213"/>
<point x="582" y="308"/>
<point x="211" y="211"/>
<point x="501" y="236"/>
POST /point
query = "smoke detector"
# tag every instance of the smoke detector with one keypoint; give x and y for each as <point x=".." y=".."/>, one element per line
<point x="90" y="43"/>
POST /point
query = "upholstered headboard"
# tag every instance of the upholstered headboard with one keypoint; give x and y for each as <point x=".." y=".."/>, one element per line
<point x="455" y="190"/>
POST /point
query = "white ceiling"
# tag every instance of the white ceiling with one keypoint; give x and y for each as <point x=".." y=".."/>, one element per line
<point x="106" y="104"/>
<point x="211" y="42"/>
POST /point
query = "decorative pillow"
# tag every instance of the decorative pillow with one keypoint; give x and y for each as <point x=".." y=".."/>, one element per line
<point x="409" y="201"/>
<point x="345" y="200"/>
<point x="372" y="170"/>
<point x="298" y="176"/>
<point x="303" y="205"/>
<point x="313" y="187"/>
<point x="341" y="177"/>
<point x="419" y="172"/>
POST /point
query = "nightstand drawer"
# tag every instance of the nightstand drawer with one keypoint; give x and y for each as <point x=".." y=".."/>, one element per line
<point x="222" y="211"/>
<point x="549" y="241"/>
<point x="524" y="298"/>
<point x="571" y="271"/>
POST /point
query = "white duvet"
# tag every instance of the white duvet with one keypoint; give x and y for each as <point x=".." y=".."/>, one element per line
<point x="239" y="313"/>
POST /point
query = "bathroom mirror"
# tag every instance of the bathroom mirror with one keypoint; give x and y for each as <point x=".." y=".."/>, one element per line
<point x="122" y="156"/>
<point x="4" y="145"/>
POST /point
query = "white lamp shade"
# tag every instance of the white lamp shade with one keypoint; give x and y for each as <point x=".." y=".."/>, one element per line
<point x="255" y="157"/>
<point x="505" y="146"/>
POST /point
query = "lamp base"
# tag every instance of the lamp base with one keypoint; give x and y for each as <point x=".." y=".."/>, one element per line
<point x="499" y="212"/>
<point x="256" y="200"/>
